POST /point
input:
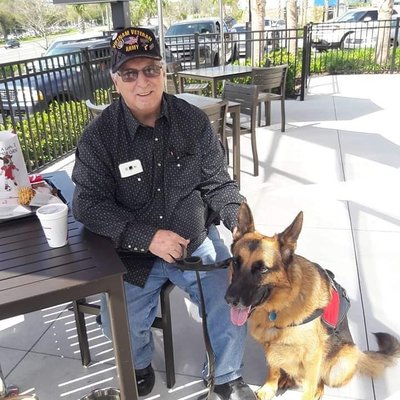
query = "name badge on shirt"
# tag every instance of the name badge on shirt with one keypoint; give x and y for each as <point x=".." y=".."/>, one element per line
<point x="130" y="168"/>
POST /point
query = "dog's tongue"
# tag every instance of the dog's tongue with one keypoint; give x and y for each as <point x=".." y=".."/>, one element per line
<point x="239" y="315"/>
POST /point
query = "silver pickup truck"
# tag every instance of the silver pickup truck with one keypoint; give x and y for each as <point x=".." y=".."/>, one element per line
<point x="205" y="47"/>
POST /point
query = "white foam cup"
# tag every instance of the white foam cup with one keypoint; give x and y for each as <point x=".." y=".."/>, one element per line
<point x="54" y="220"/>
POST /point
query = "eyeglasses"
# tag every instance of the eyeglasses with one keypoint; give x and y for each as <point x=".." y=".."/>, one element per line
<point x="130" y="75"/>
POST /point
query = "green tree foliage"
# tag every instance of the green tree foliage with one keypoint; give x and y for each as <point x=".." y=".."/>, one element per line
<point x="8" y="22"/>
<point x="142" y="11"/>
<point x="41" y="16"/>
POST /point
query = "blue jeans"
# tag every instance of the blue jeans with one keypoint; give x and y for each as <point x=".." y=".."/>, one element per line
<point x="227" y="340"/>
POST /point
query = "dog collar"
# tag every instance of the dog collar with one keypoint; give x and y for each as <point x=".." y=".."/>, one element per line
<point x="272" y="315"/>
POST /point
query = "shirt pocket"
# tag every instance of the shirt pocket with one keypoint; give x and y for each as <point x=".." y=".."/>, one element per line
<point x="134" y="191"/>
<point x="183" y="169"/>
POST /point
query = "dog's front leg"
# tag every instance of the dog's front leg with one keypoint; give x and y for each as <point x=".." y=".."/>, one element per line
<point x="312" y="376"/>
<point x="268" y="390"/>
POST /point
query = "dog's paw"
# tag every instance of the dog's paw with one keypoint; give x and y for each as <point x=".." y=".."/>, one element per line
<point x="265" y="393"/>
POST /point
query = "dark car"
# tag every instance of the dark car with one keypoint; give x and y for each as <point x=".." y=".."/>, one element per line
<point x="12" y="44"/>
<point x="63" y="73"/>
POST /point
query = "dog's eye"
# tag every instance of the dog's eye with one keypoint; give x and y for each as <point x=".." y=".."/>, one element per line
<point x="236" y="262"/>
<point x="261" y="267"/>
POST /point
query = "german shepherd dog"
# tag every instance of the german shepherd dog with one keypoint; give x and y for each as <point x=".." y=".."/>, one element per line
<point x="285" y="297"/>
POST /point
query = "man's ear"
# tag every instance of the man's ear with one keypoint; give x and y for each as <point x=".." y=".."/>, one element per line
<point x="245" y="222"/>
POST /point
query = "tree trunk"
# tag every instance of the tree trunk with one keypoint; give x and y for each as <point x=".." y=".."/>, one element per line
<point x="291" y="23"/>
<point x="383" y="43"/>
<point x="257" y="26"/>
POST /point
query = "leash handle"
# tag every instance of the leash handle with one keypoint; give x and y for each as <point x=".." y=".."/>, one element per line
<point x="194" y="263"/>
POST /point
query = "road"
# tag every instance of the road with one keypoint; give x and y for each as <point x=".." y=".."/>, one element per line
<point x="36" y="48"/>
<point x="27" y="50"/>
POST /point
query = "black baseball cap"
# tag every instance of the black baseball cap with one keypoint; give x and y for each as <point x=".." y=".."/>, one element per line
<point x="133" y="43"/>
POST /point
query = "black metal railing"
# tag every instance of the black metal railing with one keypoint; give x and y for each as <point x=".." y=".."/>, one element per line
<point x="355" y="48"/>
<point x="42" y="100"/>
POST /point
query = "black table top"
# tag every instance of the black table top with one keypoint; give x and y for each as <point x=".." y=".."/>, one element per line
<point x="31" y="270"/>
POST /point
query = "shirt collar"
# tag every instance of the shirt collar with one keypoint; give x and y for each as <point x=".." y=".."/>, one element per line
<point x="133" y="124"/>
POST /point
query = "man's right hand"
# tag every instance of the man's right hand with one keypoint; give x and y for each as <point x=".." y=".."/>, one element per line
<point x="168" y="245"/>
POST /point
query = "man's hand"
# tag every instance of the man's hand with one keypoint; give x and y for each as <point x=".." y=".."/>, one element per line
<point x="168" y="245"/>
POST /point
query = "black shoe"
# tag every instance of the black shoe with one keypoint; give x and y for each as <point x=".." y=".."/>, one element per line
<point x="234" y="390"/>
<point x="145" y="380"/>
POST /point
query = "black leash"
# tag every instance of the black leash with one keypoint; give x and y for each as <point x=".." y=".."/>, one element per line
<point x="195" y="263"/>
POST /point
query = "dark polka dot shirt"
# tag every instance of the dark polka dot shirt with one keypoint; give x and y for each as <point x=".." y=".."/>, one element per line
<point x="132" y="180"/>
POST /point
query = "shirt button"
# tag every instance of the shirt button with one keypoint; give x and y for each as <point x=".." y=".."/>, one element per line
<point x="178" y="165"/>
<point x="129" y="246"/>
<point x="158" y="189"/>
<point x="156" y="139"/>
<point x="139" y="179"/>
<point x="161" y="217"/>
<point x="159" y="164"/>
<point x="135" y="248"/>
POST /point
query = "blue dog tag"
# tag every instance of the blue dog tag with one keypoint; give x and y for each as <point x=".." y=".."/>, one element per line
<point x="272" y="316"/>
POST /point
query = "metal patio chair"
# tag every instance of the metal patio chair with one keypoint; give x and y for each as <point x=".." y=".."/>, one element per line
<point x="271" y="83"/>
<point x="94" y="110"/>
<point x="246" y="96"/>
<point x="217" y="116"/>
<point x="173" y="86"/>
<point x="163" y="322"/>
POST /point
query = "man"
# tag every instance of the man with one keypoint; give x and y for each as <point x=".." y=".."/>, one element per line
<point x="149" y="173"/>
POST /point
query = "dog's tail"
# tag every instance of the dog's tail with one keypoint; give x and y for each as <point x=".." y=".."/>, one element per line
<point x="373" y="363"/>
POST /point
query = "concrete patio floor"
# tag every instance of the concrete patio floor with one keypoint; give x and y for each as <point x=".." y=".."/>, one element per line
<point x="339" y="162"/>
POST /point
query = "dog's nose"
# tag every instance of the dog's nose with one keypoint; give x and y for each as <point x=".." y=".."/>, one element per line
<point x="232" y="300"/>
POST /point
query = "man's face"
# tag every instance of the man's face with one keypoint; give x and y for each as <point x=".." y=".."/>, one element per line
<point x="141" y="83"/>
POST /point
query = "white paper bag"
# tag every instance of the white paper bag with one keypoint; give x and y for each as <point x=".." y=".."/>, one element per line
<point x="13" y="173"/>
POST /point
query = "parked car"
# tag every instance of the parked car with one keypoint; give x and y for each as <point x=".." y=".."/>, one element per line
<point x="89" y="40"/>
<point x="360" y="39"/>
<point x="59" y="75"/>
<point x="332" y="35"/>
<point x="181" y="41"/>
<point x="12" y="44"/>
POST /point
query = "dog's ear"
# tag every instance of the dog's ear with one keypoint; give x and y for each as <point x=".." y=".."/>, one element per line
<point x="288" y="238"/>
<point x="245" y="222"/>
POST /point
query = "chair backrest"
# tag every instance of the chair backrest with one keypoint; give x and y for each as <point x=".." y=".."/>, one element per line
<point x="176" y="66"/>
<point x="246" y="95"/>
<point x="171" y="83"/>
<point x="270" y="78"/>
<point x="94" y="110"/>
<point x="217" y="116"/>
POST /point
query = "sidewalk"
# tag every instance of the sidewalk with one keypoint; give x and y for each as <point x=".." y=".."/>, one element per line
<point x="339" y="162"/>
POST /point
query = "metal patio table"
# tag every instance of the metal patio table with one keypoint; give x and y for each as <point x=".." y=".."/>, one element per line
<point x="34" y="276"/>
<point x="213" y="75"/>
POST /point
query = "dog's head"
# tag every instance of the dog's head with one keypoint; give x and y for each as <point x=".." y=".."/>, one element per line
<point x="260" y="264"/>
